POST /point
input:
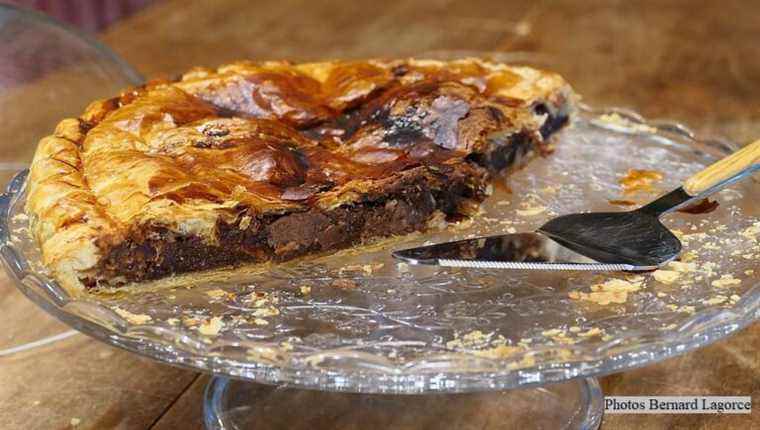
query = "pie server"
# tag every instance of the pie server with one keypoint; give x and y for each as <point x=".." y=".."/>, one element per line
<point x="634" y="240"/>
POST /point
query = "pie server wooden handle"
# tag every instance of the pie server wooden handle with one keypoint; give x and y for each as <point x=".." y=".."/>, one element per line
<point x="727" y="170"/>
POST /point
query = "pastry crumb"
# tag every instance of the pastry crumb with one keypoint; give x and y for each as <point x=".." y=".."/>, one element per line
<point x="531" y="211"/>
<point x="615" y="284"/>
<point x="371" y="268"/>
<point x="489" y="345"/>
<point x="368" y="269"/>
<point x="217" y="294"/>
<point x="524" y="342"/>
<point x="133" y="318"/>
<point x="715" y="300"/>
<point x="475" y="339"/>
<point x="499" y="351"/>
<point x="636" y="180"/>
<point x="260" y="299"/>
<point x="20" y="217"/>
<point x="558" y="336"/>
<point x="550" y="189"/>
<point x="595" y="331"/>
<point x="611" y="291"/>
<point x="269" y="311"/>
<point x="666" y="276"/>
<point x="688" y="257"/>
<point x="709" y="269"/>
<point x="682" y="267"/>
<point x="190" y="321"/>
<point x="617" y="120"/>
<point x="726" y="280"/>
<point x="212" y="327"/>
<point x="600" y="298"/>
<point x="75" y="421"/>
<point x="344" y="284"/>
<point x="751" y="232"/>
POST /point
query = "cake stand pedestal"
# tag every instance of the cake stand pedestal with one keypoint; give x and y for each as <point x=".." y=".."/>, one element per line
<point x="236" y="404"/>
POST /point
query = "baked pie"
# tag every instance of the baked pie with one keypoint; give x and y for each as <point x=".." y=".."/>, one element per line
<point x="267" y="161"/>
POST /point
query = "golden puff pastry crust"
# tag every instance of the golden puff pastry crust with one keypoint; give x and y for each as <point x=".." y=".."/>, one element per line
<point x="271" y="160"/>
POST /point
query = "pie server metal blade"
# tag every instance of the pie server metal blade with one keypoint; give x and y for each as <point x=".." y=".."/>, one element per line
<point x="526" y="251"/>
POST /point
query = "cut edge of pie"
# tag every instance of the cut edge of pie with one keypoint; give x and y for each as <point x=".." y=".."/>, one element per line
<point x="267" y="161"/>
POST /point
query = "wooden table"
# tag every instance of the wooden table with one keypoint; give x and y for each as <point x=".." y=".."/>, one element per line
<point x="695" y="61"/>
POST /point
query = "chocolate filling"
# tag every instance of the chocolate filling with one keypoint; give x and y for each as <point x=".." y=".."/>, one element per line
<point x="157" y="251"/>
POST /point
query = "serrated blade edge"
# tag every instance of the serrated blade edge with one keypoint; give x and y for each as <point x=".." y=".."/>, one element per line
<point x="538" y="266"/>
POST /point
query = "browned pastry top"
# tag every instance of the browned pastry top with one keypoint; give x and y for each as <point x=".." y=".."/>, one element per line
<point x="264" y="138"/>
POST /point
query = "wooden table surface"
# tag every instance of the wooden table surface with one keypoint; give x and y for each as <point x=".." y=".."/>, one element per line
<point x="696" y="61"/>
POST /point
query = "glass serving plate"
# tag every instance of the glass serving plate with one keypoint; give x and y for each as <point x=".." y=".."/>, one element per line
<point x="358" y="321"/>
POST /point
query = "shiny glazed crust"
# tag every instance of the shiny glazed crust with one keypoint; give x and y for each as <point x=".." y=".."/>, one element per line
<point x="250" y="155"/>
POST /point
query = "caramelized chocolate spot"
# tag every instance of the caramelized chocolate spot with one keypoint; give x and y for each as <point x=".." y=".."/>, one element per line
<point x="704" y="206"/>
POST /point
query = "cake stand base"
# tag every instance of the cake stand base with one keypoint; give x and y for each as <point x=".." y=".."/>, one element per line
<point x="233" y="404"/>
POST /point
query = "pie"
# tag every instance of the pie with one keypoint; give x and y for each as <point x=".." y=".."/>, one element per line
<point x="267" y="161"/>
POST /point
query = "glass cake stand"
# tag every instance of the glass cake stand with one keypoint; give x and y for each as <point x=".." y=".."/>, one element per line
<point x="356" y="338"/>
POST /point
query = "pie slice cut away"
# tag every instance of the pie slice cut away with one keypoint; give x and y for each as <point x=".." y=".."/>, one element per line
<point x="256" y="162"/>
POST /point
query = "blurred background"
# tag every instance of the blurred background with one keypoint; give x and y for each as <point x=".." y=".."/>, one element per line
<point x="88" y="15"/>
<point x="695" y="61"/>
<point x="664" y="58"/>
